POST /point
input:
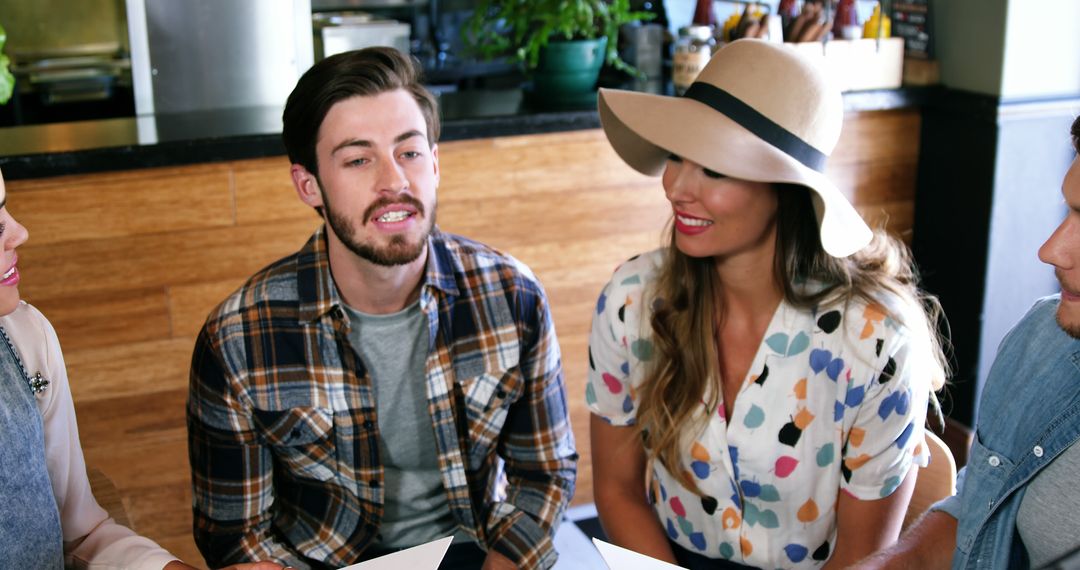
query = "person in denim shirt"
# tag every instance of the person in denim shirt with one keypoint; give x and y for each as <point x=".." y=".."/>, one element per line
<point x="1016" y="501"/>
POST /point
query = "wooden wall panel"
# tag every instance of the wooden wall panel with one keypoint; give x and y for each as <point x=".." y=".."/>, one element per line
<point x="101" y="206"/>
<point x="127" y="265"/>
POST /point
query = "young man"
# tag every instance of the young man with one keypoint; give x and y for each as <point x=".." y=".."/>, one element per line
<point x="1017" y="499"/>
<point x="363" y="395"/>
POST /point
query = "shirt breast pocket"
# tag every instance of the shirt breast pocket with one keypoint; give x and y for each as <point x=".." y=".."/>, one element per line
<point x="301" y="440"/>
<point x="488" y="398"/>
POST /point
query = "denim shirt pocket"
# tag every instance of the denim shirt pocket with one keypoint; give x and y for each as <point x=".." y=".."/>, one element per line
<point x="988" y="471"/>
<point x="301" y="440"/>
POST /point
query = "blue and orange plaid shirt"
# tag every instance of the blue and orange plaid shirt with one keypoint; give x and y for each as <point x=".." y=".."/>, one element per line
<point x="283" y="434"/>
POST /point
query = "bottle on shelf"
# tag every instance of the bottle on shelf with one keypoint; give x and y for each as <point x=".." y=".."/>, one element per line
<point x="846" y="21"/>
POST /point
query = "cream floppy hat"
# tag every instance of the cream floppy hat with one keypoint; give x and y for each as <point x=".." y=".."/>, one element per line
<point x="758" y="111"/>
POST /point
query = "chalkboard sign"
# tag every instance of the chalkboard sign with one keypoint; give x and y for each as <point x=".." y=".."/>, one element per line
<point x="911" y="21"/>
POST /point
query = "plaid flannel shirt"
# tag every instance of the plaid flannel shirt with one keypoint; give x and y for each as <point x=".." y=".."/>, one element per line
<point x="283" y="436"/>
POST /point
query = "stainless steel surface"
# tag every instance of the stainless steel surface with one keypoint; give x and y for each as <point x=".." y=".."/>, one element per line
<point x="191" y="55"/>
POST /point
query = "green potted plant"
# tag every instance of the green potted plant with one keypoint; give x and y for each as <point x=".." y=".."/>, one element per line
<point x="561" y="44"/>
<point x="7" y="81"/>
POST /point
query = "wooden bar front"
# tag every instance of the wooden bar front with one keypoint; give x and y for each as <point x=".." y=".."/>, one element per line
<point x="126" y="265"/>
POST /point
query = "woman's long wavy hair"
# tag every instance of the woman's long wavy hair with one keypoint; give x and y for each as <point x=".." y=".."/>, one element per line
<point x="684" y="371"/>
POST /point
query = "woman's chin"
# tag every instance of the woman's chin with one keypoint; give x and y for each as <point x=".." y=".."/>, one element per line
<point x="9" y="301"/>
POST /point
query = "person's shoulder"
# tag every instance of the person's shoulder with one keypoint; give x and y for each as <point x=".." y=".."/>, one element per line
<point x="25" y="320"/>
<point x="638" y="271"/>
<point x="32" y="336"/>
<point x="462" y="257"/>
<point x="1038" y="329"/>
<point x="274" y="285"/>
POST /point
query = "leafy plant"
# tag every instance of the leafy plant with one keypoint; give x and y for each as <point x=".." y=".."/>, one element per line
<point x="519" y="29"/>
<point x="7" y="81"/>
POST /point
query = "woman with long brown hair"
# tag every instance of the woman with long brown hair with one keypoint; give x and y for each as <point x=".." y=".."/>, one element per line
<point x="759" y="386"/>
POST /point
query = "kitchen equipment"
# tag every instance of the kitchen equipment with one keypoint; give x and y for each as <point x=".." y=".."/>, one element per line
<point x="336" y="32"/>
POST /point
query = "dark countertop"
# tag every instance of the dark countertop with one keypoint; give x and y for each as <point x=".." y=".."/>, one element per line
<point x="55" y="149"/>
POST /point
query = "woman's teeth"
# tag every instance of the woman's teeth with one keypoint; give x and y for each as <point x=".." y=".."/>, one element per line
<point x="693" y="221"/>
<point x="9" y="273"/>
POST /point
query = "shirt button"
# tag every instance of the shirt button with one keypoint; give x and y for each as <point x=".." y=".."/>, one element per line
<point x="368" y="424"/>
<point x="374" y="483"/>
<point x="994" y="461"/>
<point x="1038" y="451"/>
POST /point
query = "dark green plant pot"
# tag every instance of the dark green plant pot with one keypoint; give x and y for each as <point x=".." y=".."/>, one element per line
<point x="567" y="71"/>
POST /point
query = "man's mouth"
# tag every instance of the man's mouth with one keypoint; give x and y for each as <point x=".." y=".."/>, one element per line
<point x="393" y="216"/>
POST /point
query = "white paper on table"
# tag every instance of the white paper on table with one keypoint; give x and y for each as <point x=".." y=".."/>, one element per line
<point x="619" y="558"/>
<point x="427" y="556"/>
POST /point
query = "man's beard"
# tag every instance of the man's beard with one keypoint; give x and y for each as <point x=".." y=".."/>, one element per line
<point x="399" y="251"/>
<point x="1071" y="329"/>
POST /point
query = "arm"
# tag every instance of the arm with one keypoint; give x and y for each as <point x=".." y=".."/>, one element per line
<point x="927" y="545"/>
<point x="91" y="537"/>
<point x="618" y="459"/>
<point x="231" y="469"/>
<point x="881" y="451"/>
<point x="865" y="527"/>
<point x="538" y="448"/>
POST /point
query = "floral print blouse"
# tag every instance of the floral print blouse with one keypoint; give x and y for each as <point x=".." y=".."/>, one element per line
<point x="834" y="401"/>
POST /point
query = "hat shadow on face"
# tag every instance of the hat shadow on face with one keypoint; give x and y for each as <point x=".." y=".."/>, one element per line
<point x="759" y="111"/>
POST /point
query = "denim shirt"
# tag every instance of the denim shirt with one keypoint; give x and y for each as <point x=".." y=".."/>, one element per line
<point x="1029" y="413"/>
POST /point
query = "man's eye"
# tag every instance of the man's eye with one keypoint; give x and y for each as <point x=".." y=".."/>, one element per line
<point x="410" y="154"/>
<point x="712" y="173"/>
<point x="674" y="157"/>
<point x="357" y="162"/>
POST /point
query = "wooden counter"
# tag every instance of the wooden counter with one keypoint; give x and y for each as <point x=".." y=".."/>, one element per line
<point x="127" y="265"/>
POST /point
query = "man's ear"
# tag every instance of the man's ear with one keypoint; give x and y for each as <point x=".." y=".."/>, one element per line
<point x="307" y="186"/>
<point x="435" y="161"/>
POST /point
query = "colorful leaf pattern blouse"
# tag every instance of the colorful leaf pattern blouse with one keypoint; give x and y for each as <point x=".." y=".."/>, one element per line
<point x="834" y="401"/>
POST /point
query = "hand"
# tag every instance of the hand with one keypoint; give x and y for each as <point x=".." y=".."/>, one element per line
<point x="257" y="566"/>
<point x="496" y="561"/>
<point x="178" y="565"/>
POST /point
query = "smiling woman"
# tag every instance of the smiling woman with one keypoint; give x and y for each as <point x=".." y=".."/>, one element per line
<point x="767" y="374"/>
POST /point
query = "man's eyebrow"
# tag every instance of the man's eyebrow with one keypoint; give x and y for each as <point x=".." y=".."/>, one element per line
<point x="351" y="142"/>
<point x="408" y="135"/>
<point x="367" y="144"/>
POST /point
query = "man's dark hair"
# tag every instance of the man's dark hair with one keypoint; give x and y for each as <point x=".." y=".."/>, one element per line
<point x="369" y="71"/>
<point x="1075" y="132"/>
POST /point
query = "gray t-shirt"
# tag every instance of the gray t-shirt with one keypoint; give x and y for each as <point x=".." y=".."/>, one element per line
<point x="1048" y="522"/>
<point x="394" y="348"/>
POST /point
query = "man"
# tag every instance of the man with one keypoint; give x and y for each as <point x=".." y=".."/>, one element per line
<point x="1017" y="502"/>
<point x="362" y="395"/>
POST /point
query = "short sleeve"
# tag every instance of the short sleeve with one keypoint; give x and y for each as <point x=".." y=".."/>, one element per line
<point x="617" y="352"/>
<point x="886" y="437"/>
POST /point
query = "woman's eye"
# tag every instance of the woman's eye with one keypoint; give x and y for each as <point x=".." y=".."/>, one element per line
<point x="712" y="173"/>
<point x="3" y="226"/>
<point x="674" y="157"/>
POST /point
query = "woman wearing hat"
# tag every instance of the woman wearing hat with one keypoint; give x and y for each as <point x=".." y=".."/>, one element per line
<point x="51" y="519"/>
<point x="765" y="377"/>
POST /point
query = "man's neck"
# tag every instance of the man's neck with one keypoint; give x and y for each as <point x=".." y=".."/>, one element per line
<point x="371" y="288"/>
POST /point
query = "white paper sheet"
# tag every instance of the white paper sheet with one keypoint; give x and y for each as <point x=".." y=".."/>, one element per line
<point x="619" y="558"/>
<point x="424" y="557"/>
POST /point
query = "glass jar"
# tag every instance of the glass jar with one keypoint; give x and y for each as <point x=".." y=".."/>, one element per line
<point x="692" y="52"/>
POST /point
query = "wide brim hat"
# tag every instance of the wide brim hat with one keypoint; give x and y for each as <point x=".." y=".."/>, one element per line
<point x="758" y="111"/>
